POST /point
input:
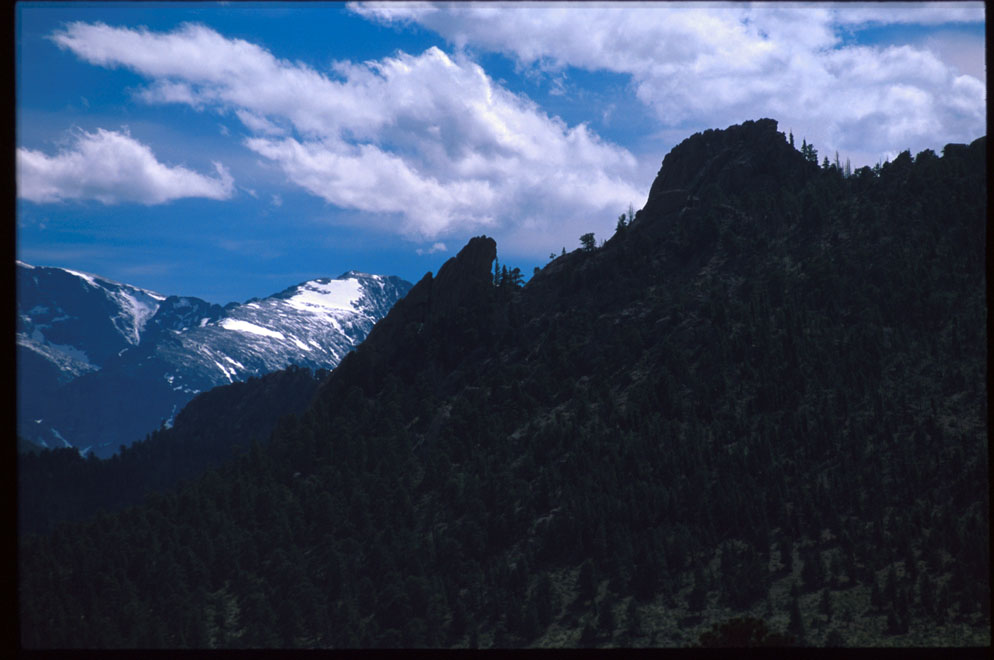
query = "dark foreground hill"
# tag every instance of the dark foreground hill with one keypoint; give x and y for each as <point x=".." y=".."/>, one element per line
<point x="756" y="414"/>
<point x="57" y="485"/>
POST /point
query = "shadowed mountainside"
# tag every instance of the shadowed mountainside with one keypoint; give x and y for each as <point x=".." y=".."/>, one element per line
<point x="757" y="412"/>
<point x="60" y="485"/>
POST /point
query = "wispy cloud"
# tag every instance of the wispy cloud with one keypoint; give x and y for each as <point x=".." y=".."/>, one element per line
<point x="252" y="247"/>
<point x="65" y="256"/>
<point x="112" y="167"/>
<point x="148" y="268"/>
<point x="428" y="144"/>
<point x="917" y="13"/>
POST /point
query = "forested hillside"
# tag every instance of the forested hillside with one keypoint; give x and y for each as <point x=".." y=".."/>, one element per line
<point x="56" y="485"/>
<point x="756" y="413"/>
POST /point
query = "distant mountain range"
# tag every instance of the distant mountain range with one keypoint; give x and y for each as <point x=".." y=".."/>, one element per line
<point x="100" y="364"/>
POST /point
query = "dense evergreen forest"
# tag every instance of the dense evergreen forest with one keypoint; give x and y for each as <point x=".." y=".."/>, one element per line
<point x="56" y="485"/>
<point x="756" y="414"/>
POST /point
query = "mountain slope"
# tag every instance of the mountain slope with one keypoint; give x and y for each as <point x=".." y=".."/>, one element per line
<point x="69" y="324"/>
<point x="763" y="398"/>
<point x="100" y="363"/>
<point x="57" y="485"/>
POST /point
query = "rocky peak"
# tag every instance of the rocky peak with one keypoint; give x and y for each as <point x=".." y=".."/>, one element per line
<point x="465" y="279"/>
<point x="742" y="157"/>
<point x="180" y="313"/>
<point x="452" y="311"/>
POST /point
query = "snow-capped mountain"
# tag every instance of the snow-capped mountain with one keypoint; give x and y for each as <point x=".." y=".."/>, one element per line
<point x="78" y="321"/>
<point x="101" y="363"/>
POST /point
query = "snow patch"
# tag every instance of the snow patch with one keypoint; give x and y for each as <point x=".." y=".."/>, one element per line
<point x="89" y="278"/>
<point x="245" y="326"/>
<point x="58" y="436"/>
<point x="301" y="345"/>
<point x="321" y="298"/>
<point x="234" y="362"/>
<point x="204" y="321"/>
<point x="224" y="371"/>
<point x="134" y="315"/>
<point x="67" y="358"/>
<point x="168" y="424"/>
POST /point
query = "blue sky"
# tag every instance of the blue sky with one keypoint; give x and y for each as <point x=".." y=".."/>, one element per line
<point x="231" y="150"/>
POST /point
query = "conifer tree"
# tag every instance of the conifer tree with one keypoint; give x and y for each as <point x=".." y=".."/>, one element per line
<point x="605" y="617"/>
<point x="697" y="597"/>
<point x="634" y="624"/>
<point x="796" y="625"/>
<point x="825" y="604"/>
<point x="585" y="581"/>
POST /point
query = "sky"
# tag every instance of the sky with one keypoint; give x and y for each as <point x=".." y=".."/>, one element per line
<point x="231" y="150"/>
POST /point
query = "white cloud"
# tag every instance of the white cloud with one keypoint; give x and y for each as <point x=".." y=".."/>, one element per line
<point x="428" y="144"/>
<point x="258" y="124"/>
<point x="709" y="65"/>
<point x="919" y="13"/>
<point x="170" y="92"/>
<point x="964" y="51"/>
<point x="112" y="168"/>
<point x="436" y="247"/>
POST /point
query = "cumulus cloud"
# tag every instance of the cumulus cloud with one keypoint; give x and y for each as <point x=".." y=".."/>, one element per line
<point x="428" y="143"/>
<point x="710" y="65"/>
<point x="112" y="167"/>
